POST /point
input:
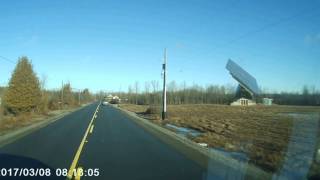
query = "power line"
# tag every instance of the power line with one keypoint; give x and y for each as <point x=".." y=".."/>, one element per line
<point x="7" y="59"/>
<point x="270" y="25"/>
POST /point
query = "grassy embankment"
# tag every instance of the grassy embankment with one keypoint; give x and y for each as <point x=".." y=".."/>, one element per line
<point x="260" y="132"/>
<point x="10" y="123"/>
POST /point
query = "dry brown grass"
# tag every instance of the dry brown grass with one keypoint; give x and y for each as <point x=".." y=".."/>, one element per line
<point x="134" y="108"/>
<point x="9" y="122"/>
<point x="261" y="132"/>
<point x="142" y="110"/>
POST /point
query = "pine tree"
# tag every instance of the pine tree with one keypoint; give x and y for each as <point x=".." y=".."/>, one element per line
<point x="24" y="92"/>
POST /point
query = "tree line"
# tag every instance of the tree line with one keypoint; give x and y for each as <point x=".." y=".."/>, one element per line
<point x="309" y="96"/>
<point x="25" y="93"/>
<point x="150" y="93"/>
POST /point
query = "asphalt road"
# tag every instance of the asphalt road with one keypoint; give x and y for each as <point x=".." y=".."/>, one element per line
<point x="117" y="148"/>
<point x="127" y="151"/>
<point x="53" y="146"/>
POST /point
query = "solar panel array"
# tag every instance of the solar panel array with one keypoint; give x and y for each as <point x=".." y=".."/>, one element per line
<point x="243" y="77"/>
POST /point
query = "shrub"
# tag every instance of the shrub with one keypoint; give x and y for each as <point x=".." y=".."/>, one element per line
<point x="44" y="103"/>
<point x="68" y="96"/>
<point x="153" y="110"/>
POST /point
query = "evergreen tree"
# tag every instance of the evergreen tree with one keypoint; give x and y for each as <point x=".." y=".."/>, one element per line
<point x="24" y="92"/>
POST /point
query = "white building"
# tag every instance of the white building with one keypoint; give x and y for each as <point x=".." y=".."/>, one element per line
<point x="109" y="98"/>
<point x="243" y="102"/>
<point x="267" y="101"/>
<point x="115" y="98"/>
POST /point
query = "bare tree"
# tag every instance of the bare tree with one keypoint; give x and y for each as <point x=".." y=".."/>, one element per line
<point x="155" y="88"/>
<point x="147" y="92"/>
<point x="136" y="89"/>
<point x="213" y="94"/>
<point x="44" y="102"/>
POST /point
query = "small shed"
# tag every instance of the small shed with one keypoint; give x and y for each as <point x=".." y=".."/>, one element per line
<point x="243" y="102"/>
<point x="267" y="101"/>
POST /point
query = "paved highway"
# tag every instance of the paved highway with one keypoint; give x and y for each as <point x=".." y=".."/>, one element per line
<point x="109" y="144"/>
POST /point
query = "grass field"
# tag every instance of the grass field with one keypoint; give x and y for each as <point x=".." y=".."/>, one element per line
<point x="262" y="133"/>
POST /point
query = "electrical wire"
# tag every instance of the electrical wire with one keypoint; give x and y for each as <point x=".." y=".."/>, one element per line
<point x="7" y="59"/>
<point x="269" y="25"/>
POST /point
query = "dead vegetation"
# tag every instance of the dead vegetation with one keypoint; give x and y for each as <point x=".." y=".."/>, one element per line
<point x="260" y="132"/>
<point x="9" y="122"/>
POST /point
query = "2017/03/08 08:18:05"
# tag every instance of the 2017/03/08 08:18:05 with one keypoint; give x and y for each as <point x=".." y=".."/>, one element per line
<point x="46" y="172"/>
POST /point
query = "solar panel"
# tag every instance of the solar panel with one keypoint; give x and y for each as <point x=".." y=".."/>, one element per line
<point x="243" y="77"/>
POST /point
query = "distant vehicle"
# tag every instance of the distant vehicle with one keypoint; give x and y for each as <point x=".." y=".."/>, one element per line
<point x="115" y="100"/>
<point x="105" y="103"/>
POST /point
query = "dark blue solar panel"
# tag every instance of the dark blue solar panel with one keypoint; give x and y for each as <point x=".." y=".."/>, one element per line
<point x="243" y="77"/>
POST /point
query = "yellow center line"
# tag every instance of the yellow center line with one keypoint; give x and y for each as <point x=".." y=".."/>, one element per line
<point x="91" y="128"/>
<point x="79" y="171"/>
<point x="77" y="156"/>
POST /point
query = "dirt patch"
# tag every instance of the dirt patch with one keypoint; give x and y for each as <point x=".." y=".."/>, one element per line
<point x="148" y="112"/>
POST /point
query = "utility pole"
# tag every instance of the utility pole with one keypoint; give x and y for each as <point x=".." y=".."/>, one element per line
<point x="164" y="94"/>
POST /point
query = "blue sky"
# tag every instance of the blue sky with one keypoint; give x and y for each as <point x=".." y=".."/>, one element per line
<point x="107" y="45"/>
